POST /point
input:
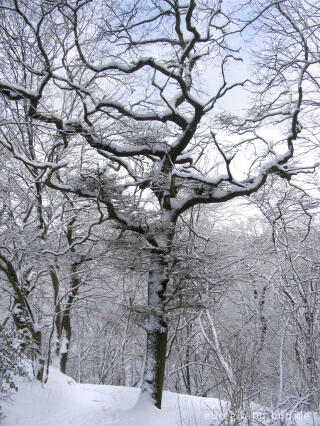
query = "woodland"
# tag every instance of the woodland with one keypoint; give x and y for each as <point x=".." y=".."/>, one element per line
<point x="159" y="196"/>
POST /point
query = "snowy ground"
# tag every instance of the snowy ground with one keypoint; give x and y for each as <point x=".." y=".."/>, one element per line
<point x="65" y="403"/>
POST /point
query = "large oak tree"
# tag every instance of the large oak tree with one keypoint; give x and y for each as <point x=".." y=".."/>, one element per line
<point x="130" y="98"/>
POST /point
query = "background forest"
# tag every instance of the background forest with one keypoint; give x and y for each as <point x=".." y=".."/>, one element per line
<point x="159" y="196"/>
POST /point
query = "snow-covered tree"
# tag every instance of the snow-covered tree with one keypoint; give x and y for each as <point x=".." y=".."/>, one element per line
<point x="129" y="99"/>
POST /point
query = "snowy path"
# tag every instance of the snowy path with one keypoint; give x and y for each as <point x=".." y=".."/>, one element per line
<point x="62" y="402"/>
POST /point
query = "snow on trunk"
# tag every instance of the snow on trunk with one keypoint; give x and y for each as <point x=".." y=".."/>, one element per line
<point x="157" y="329"/>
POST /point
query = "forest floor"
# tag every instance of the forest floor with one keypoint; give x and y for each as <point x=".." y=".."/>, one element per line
<point x="64" y="402"/>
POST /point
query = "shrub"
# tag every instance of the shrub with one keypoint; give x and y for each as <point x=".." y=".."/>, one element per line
<point x="12" y="364"/>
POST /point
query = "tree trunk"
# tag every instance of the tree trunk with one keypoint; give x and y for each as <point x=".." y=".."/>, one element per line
<point x="66" y="337"/>
<point x="62" y="324"/>
<point x="24" y="322"/>
<point x="24" y="317"/>
<point x="157" y="330"/>
<point x="310" y="360"/>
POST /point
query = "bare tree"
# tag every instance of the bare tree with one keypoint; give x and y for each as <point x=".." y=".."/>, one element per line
<point x="120" y="94"/>
<point x="291" y="214"/>
<point x="41" y="265"/>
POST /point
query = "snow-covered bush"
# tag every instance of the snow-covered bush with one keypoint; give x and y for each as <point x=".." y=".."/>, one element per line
<point x="12" y="364"/>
